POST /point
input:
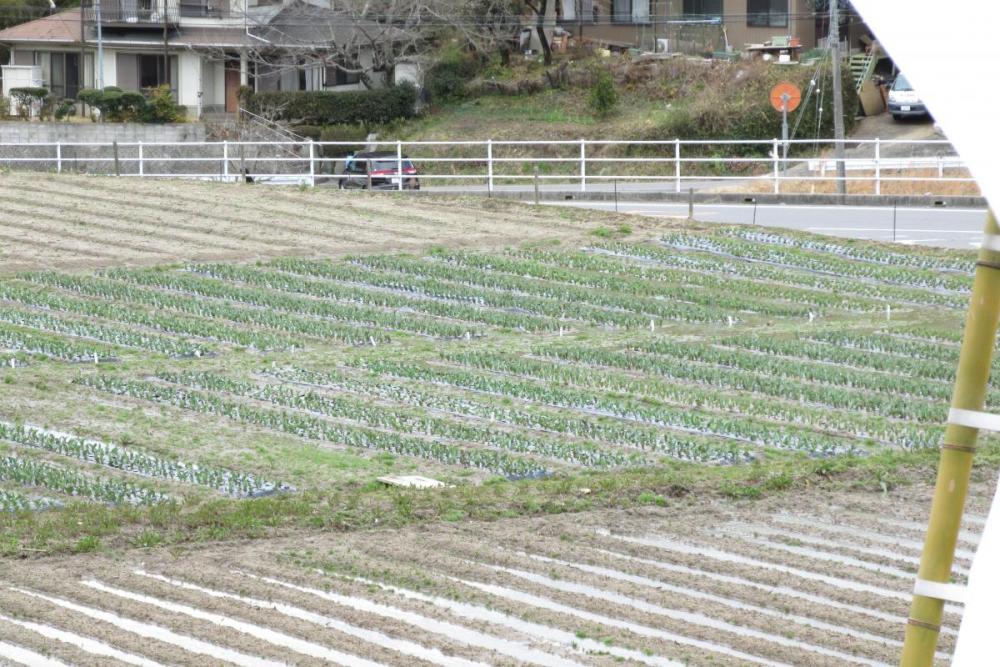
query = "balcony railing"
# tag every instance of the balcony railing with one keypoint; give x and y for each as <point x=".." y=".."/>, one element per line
<point x="132" y="13"/>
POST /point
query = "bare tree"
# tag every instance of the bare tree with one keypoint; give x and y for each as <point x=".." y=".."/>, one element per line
<point x="539" y="8"/>
<point x="489" y="26"/>
<point x="357" y="37"/>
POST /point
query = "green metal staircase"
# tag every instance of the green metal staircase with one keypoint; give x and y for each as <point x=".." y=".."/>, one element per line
<point x="863" y="66"/>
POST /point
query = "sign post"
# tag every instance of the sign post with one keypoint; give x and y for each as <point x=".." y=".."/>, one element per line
<point x="785" y="97"/>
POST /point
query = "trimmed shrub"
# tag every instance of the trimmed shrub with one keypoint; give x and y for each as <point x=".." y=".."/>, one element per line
<point x="28" y="97"/>
<point x="115" y="104"/>
<point x="64" y="109"/>
<point x="364" y="107"/>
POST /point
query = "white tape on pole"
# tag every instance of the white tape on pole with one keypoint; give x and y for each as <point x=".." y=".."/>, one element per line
<point x="974" y="419"/>
<point x="991" y="242"/>
<point x="940" y="591"/>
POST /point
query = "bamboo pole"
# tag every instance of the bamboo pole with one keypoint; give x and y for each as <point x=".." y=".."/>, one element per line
<point x="957" y="451"/>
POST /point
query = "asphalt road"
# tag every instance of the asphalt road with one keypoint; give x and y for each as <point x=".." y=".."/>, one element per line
<point x="943" y="227"/>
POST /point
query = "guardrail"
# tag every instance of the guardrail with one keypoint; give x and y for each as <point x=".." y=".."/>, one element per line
<point x="758" y="165"/>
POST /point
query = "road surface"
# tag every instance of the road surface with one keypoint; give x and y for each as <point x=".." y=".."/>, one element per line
<point x="943" y="227"/>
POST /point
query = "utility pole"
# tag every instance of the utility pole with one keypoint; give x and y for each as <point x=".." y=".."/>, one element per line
<point x="838" y="100"/>
<point x="958" y="447"/>
<point x="166" y="53"/>
<point x="100" y="47"/>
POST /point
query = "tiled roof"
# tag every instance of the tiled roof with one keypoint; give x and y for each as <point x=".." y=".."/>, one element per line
<point x="60" y="27"/>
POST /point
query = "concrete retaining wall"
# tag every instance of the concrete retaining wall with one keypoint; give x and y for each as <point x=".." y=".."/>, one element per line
<point x="24" y="133"/>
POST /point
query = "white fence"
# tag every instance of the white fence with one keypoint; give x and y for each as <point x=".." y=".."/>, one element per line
<point x="666" y="165"/>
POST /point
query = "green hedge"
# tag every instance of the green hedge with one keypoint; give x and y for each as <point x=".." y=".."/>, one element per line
<point x="320" y="107"/>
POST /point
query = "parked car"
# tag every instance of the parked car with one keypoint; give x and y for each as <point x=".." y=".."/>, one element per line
<point x="903" y="100"/>
<point x="380" y="170"/>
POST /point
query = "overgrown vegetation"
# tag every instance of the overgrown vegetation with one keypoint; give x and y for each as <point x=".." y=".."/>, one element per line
<point x="446" y="79"/>
<point x="603" y="96"/>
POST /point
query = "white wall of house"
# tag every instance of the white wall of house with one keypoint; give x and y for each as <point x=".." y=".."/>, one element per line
<point x="20" y="76"/>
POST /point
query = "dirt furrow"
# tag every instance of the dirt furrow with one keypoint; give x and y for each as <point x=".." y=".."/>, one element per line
<point x="699" y="620"/>
<point x="22" y="646"/>
<point x="691" y="590"/>
<point x="144" y="225"/>
<point x="195" y="637"/>
<point x="60" y="628"/>
<point x="247" y="599"/>
<point x="263" y="211"/>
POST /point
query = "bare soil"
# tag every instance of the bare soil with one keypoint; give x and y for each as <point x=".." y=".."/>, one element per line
<point x="647" y="585"/>
<point x="85" y="222"/>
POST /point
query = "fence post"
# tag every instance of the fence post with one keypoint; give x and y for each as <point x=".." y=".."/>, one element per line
<point x="58" y="157"/>
<point x="312" y="163"/>
<point x="225" y="160"/>
<point x="583" y="165"/>
<point x="878" y="166"/>
<point x="535" y="172"/>
<point x="677" y="165"/>
<point x="489" y="166"/>
<point x="399" y="163"/>
<point x="142" y="169"/>
<point x="114" y="148"/>
<point x="774" y="155"/>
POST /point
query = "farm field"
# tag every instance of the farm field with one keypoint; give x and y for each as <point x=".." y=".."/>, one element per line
<point x="717" y="393"/>
<point x="52" y="221"/>
<point x="817" y="578"/>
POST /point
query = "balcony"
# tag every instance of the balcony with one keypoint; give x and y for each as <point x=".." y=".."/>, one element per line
<point x="132" y="13"/>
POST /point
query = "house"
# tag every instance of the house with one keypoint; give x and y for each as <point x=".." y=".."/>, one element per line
<point x="204" y="49"/>
<point x="693" y="26"/>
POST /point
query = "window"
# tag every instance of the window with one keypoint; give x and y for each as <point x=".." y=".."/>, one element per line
<point x="640" y="11"/>
<point x="767" y="13"/>
<point x="621" y="11"/>
<point x="142" y="71"/>
<point x="577" y="10"/>
<point x="60" y="72"/>
<point x="703" y="9"/>
<point x="338" y="77"/>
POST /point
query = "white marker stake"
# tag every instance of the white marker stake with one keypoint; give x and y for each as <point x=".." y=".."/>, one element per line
<point x="729" y="319"/>
<point x="812" y="316"/>
<point x="652" y="325"/>
<point x="888" y="312"/>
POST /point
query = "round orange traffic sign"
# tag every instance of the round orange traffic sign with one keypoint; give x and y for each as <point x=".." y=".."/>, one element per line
<point x="786" y="97"/>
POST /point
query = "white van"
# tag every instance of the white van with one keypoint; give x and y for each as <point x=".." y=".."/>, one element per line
<point x="903" y="100"/>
